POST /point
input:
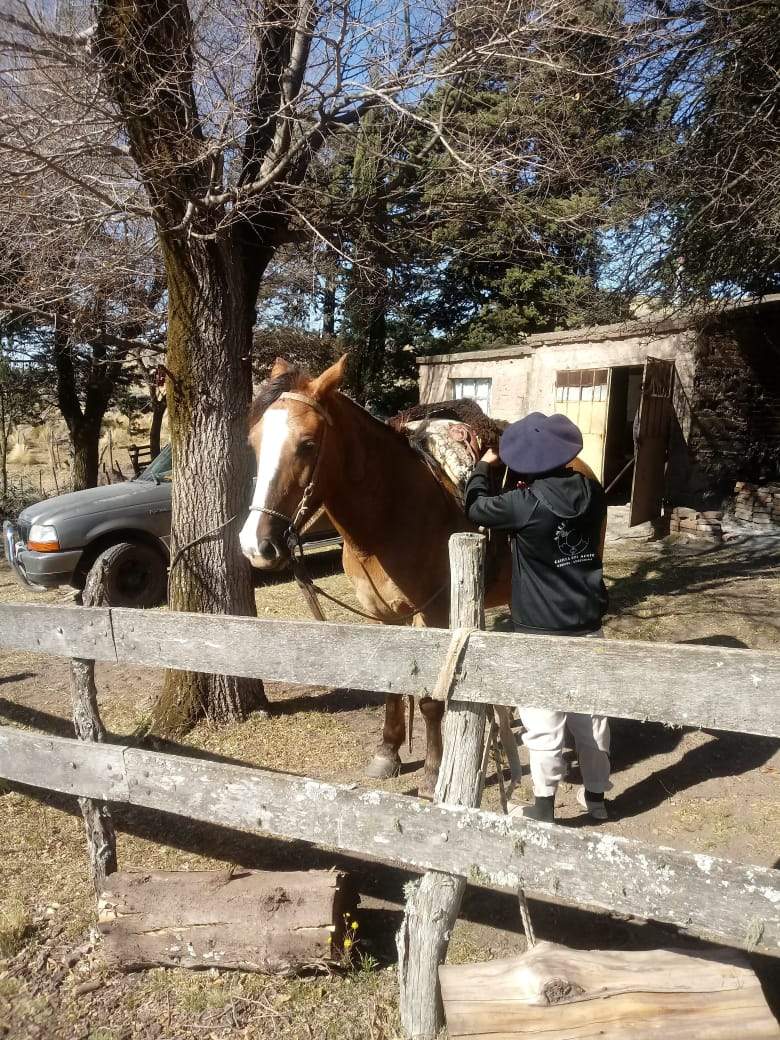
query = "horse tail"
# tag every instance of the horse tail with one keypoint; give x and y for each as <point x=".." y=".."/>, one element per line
<point x="411" y="723"/>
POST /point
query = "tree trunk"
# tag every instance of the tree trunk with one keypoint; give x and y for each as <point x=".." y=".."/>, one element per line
<point x="85" y="421"/>
<point x="210" y="314"/>
<point x="159" y="404"/>
<point x="85" y="437"/>
<point x="329" y="307"/>
<point x="3" y="446"/>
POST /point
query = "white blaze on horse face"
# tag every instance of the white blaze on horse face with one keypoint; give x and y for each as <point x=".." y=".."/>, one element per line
<point x="272" y="437"/>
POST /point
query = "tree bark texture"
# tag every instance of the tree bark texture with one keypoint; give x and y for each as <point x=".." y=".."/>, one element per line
<point x="432" y="905"/>
<point x="214" y="260"/>
<point x="250" y="920"/>
<point x="208" y="393"/>
<point x="85" y="439"/>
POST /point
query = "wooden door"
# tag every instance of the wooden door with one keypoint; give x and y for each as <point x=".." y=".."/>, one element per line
<point x="655" y="412"/>
<point x="583" y="396"/>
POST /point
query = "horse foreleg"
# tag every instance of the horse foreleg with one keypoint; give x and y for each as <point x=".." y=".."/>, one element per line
<point x="387" y="762"/>
<point x="432" y="711"/>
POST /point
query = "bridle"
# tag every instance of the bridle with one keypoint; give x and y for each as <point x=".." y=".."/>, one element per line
<point x="296" y="524"/>
<point x="295" y="530"/>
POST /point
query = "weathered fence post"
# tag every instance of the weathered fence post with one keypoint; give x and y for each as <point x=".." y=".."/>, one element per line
<point x="432" y="905"/>
<point x="101" y="839"/>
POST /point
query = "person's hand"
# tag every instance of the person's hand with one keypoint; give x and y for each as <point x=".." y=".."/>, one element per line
<point x="490" y="457"/>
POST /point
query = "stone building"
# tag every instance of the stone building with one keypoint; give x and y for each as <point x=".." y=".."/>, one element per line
<point x="708" y="387"/>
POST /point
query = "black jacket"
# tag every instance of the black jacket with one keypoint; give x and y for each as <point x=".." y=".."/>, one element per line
<point x="555" y="528"/>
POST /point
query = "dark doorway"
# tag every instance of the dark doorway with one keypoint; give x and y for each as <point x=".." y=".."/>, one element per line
<point x="625" y="388"/>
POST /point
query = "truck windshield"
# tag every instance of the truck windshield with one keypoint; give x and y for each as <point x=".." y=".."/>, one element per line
<point x="161" y="469"/>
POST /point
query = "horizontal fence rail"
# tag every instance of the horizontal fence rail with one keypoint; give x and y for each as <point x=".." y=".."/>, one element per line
<point x="702" y="895"/>
<point x="702" y="686"/>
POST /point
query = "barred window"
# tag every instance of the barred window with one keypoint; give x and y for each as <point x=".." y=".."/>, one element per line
<point x="476" y="389"/>
<point x="581" y="384"/>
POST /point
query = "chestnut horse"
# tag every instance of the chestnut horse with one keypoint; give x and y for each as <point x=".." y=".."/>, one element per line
<point x="315" y="447"/>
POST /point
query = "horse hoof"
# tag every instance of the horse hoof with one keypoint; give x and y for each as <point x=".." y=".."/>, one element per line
<point x="427" y="787"/>
<point x="383" y="768"/>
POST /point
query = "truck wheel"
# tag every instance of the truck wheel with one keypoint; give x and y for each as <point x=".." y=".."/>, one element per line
<point x="133" y="575"/>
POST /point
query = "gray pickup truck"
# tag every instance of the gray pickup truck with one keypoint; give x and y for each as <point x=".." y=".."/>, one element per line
<point x="126" y="527"/>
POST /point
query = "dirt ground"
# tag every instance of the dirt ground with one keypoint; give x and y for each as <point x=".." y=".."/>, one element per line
<point x="701" y="791"/>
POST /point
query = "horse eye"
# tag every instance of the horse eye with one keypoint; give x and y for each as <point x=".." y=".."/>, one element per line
<point x="305" y="447"/>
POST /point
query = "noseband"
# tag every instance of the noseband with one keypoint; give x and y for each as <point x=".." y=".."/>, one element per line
<point x="294" y="529"/>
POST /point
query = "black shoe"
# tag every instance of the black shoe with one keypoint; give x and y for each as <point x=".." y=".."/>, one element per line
<point x="543" y="809"/>
<point x="594" y="803"/>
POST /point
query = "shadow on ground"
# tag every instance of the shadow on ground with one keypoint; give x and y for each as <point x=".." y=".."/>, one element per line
<point x="707" y="570"/>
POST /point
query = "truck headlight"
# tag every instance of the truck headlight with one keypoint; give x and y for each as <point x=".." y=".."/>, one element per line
<point x="43" y="538"/>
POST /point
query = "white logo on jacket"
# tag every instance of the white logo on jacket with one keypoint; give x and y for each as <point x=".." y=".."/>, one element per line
<point x="572" y="546"/>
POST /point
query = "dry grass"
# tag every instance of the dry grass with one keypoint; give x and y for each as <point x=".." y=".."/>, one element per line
<point x="15" y="927"/>
<point x="43" y="863"/>
<point x="356" y="1005"/>
<point x="22" y="455"/>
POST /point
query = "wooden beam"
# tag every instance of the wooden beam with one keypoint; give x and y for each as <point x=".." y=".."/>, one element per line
<point x="702" y="895"/>
<point x="557" y="993"/>
<point x="59" y="764"/>
<point x="64" y="631"/>
<point x="433" y="904"/>
<point x="704" y="686"/>
<point x="101" y="839"/>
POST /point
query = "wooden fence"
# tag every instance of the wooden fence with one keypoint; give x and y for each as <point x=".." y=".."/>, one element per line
<point x="700" y="686"/>
<point x="703" y="895"/>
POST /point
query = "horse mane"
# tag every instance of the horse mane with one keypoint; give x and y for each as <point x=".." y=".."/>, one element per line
<point x="272" y="389"/>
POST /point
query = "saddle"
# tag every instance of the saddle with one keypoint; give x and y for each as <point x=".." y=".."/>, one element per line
<point x="451" y="436"/>
<point x="452" y="446"/>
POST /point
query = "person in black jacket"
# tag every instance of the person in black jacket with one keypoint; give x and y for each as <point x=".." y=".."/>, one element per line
<point x="555" y="517"/>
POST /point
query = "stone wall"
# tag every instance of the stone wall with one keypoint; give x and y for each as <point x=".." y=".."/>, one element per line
<point x="523" y="377"/>
<point x="759" y="506"/>
<point x="509" y="376"/>
<point x="735" y="399"/>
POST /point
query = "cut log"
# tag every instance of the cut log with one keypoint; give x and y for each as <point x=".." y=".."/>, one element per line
<point x="558" y="993"/>
<point x="252" y="920"/>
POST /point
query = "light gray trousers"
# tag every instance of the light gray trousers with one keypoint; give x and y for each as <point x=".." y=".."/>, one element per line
<point x="545" y="738"/>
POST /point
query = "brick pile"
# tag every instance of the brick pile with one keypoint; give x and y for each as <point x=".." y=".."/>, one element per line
<point x="755" y="504"/>
<point x="704" y="526"/>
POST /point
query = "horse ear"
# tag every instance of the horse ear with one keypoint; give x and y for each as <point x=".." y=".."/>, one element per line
<point x="331" y="379"/>
<point x="280" y="367"/>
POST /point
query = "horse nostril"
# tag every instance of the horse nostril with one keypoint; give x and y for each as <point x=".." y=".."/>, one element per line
<point x="267" y="549"/>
